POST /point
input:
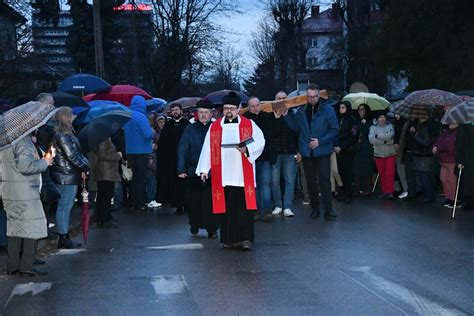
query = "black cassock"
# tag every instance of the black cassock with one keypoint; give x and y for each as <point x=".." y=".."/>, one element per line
<point x="169" y="188"/>
<point x="237" y="224"/>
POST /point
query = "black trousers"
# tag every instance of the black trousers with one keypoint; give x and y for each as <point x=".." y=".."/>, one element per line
<point x="237" y="224"/>
<point x="138" y="164"/>
<point x="21" y="254"/>
<point x="346" y="169"/>
<point x="105" y="192"/>
<point x="410" y="174"/>
<point x="318" y="177"/>
<point x="199" y="205"/>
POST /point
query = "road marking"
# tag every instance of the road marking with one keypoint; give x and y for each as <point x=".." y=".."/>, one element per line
<point x="169" y="284"/>
<point x="378" y="285"/>
<point x="177" y="247"/>
<point x="34" y="288"/>
<point x="70" y="251"/>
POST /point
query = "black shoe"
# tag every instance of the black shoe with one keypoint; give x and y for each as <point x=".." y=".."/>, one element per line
<point x="314" y="214"/>
<point x="194" y="230"/>
<point x="14" y="272"/>
<point x="330" y="216"/>
<point x="65" y="242"/>
<point x="212" y="235"/>
<point x="3" y="249"/>
<point x="33" y="273"/>
<point x="389" y="197"/>
<point x="39" y="262"/>
<point x="267" y="217"/>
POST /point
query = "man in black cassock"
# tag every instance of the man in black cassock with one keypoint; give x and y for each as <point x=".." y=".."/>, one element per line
<point x="198" y="199"/>
<point x="170" y="188"/>
<point x="231" y="147"/>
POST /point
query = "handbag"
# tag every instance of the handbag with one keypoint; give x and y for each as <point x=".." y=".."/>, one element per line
<point x="127" y="173"/>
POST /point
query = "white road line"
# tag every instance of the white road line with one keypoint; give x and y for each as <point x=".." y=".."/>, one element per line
<point x="177" y="247"/>
<point x="70" y="251"/>
<point x="420" y="304"/>
<point x="169" y="284"/>
<point x="34" y="288"/>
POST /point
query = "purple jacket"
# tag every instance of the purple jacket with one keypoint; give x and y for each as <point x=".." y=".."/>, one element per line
<point x="446" y="143"/>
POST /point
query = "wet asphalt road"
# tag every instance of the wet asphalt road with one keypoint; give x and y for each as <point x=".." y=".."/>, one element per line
<point x="378" y="258"/>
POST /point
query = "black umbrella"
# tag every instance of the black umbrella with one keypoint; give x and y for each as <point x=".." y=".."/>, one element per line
<point x="84" y="83"/>
<point x="67" y="99"/>
<point x="101" y="128"/>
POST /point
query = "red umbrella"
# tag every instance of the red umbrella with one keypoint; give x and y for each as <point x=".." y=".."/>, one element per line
<point x="85" y="211"/>
<point x="119" y="93"/>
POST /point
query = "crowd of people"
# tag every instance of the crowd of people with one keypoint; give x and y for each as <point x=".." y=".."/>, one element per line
<point x="226" y="171"/>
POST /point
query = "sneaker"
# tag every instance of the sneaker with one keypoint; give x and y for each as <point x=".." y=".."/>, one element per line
<point x="306" y="201"/>
<point x="246" y="245"/>
<point x="451" y="205"/>
<point x="403" y="195"/>
<point x="153" y="204"/>
<point x="448" y="203"/>
<point x="277" y="211"/>
<point x="288" y="213"/>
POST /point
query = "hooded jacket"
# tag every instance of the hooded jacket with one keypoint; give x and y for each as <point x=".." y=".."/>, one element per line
<point x="138" y="133"/>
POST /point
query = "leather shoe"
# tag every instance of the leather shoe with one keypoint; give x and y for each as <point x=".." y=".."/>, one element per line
<point x="33" y="273"/>
<point x="330" y="216"/>
<point x="314" y="214"/>
<point x="38" y="262"/>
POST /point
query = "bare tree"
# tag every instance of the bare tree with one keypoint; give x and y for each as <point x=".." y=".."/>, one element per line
<point x="184" y="31"/>
<point x="263" y="41"/>
<point x="225" y="69"/>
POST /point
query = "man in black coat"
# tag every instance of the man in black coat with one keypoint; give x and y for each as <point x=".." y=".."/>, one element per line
<point x="199" y="198"/>
<point x="169" y="188"/>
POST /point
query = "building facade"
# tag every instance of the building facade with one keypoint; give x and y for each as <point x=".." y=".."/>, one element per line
<point x="9" y="21"/>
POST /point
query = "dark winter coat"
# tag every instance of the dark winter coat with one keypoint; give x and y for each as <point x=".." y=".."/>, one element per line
<point x="423" y="158"/>
<point x="446" y="145"/>
<point x="364" y="158"/>
<point x="348" y="133"/>
<point x="190" y="147"/>
<point x="69" y="161"/>
<point x="324" y="127"/>
<point x="283" y="139"/>
<point x="263" y="121"/>
<point x="465" y="156"/>
<point x="105" y="166"/>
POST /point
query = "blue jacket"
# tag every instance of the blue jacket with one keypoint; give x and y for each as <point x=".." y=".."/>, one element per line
<point x="324" y="127"/>
<point x="138" y="133"/>
<point x="190" y="147"/>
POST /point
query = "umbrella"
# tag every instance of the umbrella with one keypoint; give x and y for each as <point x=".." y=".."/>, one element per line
<point x="85" y="211"/>
<point x="67" y="99"/>
<point x="186" y="102"/>
<point x="469" y="93"/>
<point x="374" y="101"/>
<point x="155" y="105"/>
<point x="84" y="83"/>
<point x="22" y="121"/>
<point x="433" y="97"/>
<point x="101" y="128"/>
<point x="119" y="93"/>
<point x="217" y="96"/>
<point x="98" y="108"/>
<point x="462" y="113"/>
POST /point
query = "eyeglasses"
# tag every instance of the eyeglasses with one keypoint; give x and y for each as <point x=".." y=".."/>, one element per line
<point x="233" y="108"/>
<point x="313" y="96"/>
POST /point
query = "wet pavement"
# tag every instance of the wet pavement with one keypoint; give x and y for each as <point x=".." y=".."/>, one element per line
<point x="378" y="258"/>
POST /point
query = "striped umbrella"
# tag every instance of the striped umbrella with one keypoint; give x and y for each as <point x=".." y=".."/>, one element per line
<point x="462" y="113"/>
<point x="433" y="97"/>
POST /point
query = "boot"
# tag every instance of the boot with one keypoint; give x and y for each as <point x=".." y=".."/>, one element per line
<point x="65" y="242"/>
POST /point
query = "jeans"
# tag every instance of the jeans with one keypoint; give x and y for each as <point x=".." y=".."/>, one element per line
<point x="427" y="183"/>
<point x="287" y="164"/>
<point x="150" y="186"/>
<point x="3" y="227"/>
<point x="66" y="202"/>
<point x="318" y="174"/>
<point x="264" y="193"/>
<point x="410" y="175"/>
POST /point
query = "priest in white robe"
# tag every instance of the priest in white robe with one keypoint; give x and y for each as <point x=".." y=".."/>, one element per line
<point x="231" y="147"/>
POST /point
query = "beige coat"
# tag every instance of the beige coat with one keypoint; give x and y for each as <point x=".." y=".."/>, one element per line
<point x="20" y="182"/>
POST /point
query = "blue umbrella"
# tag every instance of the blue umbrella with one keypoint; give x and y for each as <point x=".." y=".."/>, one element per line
<point x="155" y="105"/>
<point x="84" y="83"/>
<point x="98" y="108"/>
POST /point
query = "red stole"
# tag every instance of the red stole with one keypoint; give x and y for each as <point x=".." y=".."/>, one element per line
<point x="218" y="196"/>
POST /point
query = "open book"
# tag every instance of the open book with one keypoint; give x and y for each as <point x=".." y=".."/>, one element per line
<point x="241" y="144"/>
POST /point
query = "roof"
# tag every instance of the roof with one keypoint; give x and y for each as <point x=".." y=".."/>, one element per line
<point x="10" y="13"/>
<point x="324" y="22"/>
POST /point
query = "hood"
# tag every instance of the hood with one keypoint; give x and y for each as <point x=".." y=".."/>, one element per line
<point x="138" y="104"/>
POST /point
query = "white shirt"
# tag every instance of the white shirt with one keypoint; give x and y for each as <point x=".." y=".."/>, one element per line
<point x="232" y="171"/>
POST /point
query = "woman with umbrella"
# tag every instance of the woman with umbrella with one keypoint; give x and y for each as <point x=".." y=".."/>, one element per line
<point x="70" y="165"/>
<point x="364" y="156"/>
<point x="105" y="172"/>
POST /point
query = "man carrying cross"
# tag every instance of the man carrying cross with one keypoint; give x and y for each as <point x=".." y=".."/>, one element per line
<point x="231" y="147"/>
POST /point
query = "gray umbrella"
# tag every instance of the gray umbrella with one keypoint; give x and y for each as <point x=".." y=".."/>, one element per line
<point x="22" y="121"/>
<point x="462" y="113"/>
